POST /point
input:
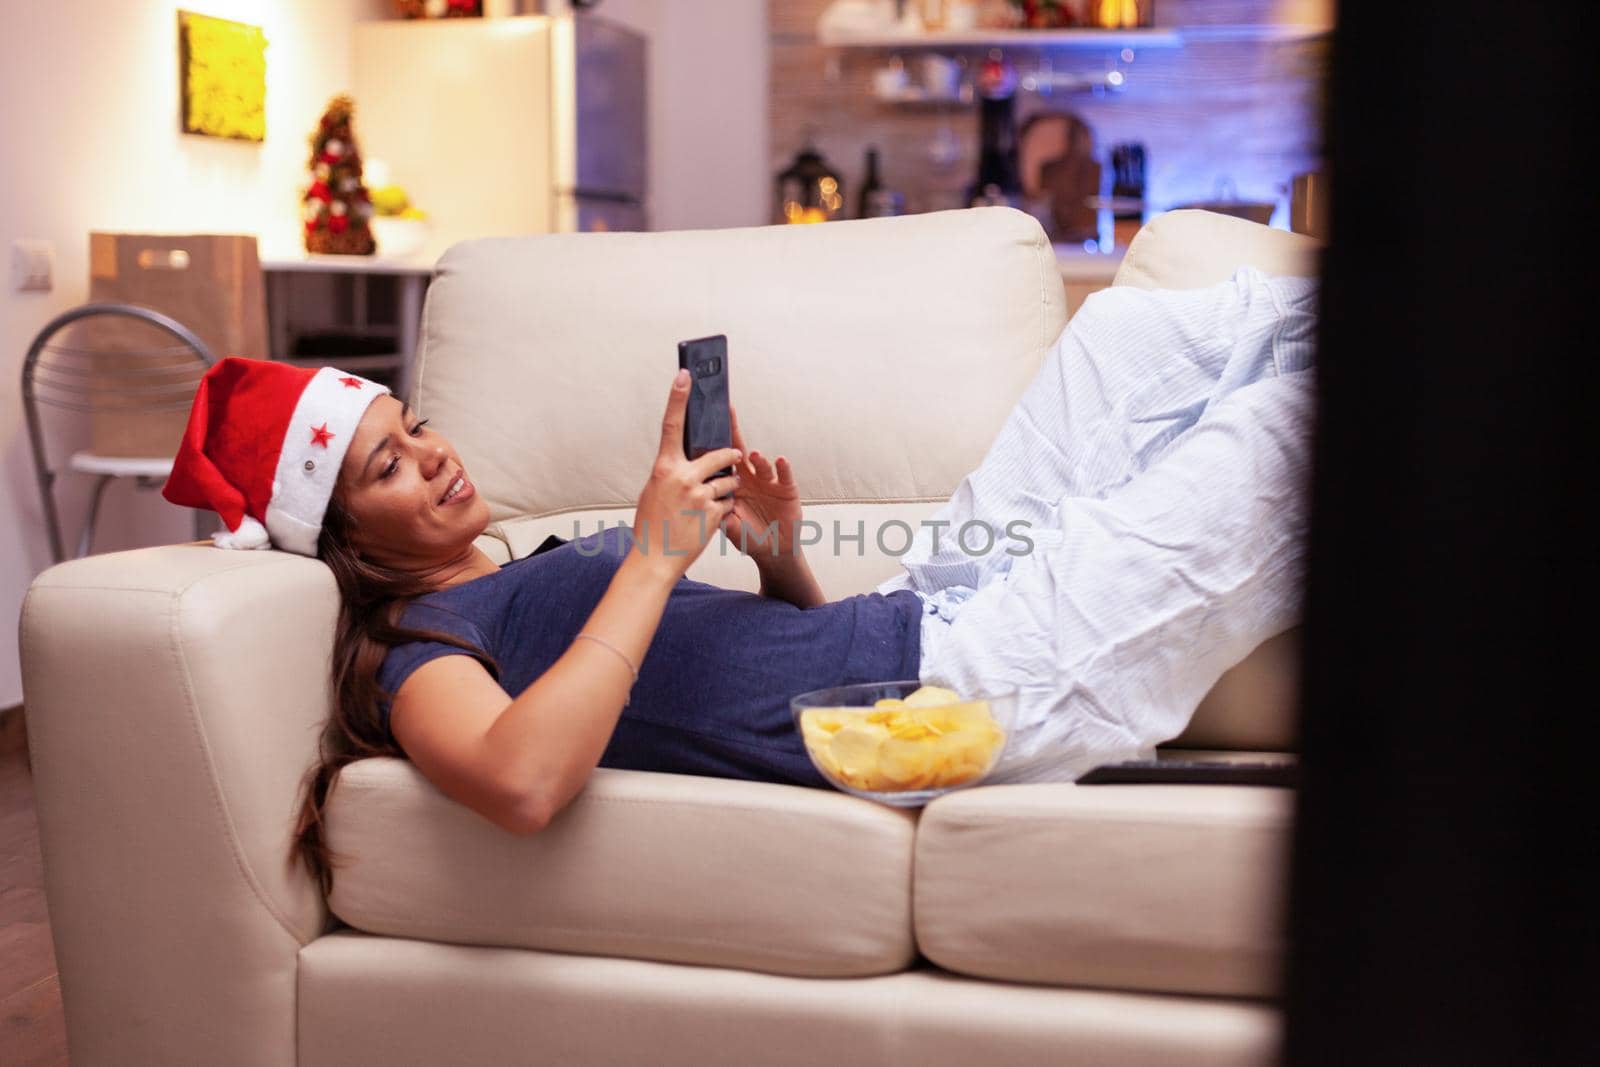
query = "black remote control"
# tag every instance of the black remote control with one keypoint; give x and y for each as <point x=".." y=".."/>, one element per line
<point x="1285" y="773"/>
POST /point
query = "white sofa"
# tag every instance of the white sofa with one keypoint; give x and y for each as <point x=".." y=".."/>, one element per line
<point x="175" y="694"/>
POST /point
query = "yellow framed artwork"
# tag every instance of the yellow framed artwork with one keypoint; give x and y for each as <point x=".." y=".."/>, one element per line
<point x="222" y="72"/>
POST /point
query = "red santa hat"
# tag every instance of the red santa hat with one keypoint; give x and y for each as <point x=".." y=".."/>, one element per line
<point x="263" y="448"/>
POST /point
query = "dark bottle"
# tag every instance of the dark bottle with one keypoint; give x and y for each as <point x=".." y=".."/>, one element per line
<point x="999" y="174"/>
<point x="1127" y="169"/>
<point x="1127" y="191"/>
<point x="871" y="184"/>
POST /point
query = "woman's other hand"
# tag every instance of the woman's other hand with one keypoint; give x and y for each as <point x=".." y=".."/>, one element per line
<point x="765" y="520"/>
<point x="678" y="510"/>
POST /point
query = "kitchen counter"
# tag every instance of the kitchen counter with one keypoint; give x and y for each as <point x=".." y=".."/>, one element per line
<point x="1084" y="272"/>
<point x="1080" y="266"/>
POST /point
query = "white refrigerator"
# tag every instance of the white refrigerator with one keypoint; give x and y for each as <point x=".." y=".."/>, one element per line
<point x="498" y="126"/>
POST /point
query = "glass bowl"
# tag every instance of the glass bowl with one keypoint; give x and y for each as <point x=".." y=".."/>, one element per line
<point x="903" y="756"/>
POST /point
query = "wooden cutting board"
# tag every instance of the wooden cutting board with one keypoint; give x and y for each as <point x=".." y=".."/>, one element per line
<point x="1056" y="156"/>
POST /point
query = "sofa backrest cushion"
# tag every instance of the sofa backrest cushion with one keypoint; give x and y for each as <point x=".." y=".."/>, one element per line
<point x="881" y="356"/>
<point x="1190" y="249"/>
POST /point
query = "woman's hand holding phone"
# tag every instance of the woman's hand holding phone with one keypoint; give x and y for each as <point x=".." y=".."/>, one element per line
<point x="679" y="510"/>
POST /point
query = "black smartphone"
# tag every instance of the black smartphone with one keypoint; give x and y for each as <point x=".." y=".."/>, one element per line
<point x="707" y="424"/>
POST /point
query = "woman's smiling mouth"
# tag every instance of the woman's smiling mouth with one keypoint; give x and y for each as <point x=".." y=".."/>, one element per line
<point x="460" y="489"/>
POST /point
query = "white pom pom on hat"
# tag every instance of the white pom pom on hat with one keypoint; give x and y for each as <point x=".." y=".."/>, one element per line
<point x="263" y="448"/>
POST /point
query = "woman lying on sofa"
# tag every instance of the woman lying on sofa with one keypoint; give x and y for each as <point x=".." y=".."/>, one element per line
<point x="1147" y="493"/>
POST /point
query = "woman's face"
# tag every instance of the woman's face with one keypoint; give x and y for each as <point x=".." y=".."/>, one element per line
<point x="404" y="485"/>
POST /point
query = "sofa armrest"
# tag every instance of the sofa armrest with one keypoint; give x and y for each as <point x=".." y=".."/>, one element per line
<point x="175" y="698"/>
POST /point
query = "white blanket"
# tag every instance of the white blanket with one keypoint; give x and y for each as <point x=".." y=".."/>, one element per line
<point x="1152" y="479"/>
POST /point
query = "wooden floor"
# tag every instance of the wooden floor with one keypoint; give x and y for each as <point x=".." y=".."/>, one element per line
<point x="33" y="1031"/>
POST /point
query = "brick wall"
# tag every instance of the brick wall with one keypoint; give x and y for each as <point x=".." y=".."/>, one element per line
<point x="1242" y="109"/>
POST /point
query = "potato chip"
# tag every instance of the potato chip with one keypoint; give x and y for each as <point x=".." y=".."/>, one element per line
<point x="902" y="761"/>
<point x="855" y="747"/>
<point x="824" y="756"/>
<point x="814" y="736"/>
<point x="911" y="730"/>
<point x="829" y="719"/>
<point x="930" y="695"/>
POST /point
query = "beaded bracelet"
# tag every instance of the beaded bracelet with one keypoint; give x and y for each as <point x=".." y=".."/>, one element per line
<point x="621" y="654"/>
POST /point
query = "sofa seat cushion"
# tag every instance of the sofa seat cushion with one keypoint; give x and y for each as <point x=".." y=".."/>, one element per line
<point x="1162" y="887"/>
<point x="664" y="867"/>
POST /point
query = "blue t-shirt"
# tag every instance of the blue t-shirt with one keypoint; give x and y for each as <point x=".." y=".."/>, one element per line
<point x="714" y="687"/>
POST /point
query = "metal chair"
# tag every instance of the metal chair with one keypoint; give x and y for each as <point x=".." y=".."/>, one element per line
<point x="119" y="381"/>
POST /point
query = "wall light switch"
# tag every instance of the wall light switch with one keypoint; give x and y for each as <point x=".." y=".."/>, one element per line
<point x="32" y="265"/>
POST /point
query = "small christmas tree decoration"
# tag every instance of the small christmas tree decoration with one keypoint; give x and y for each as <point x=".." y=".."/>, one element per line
<point x="438" y="9"/>
<point x="1052" y="14"/>
<point x="336" y="204"/>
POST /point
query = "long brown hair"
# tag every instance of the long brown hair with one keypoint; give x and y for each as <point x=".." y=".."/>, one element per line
<point x="371" y="600"/>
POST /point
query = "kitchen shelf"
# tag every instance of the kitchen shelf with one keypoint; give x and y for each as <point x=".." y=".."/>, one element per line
<point x="916" y="99"/>
<point x="1076" y="39"/>
<point x="1275" y="31"/>
<point x="1082" y="39"/>
<point x="1032" y="82"/>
